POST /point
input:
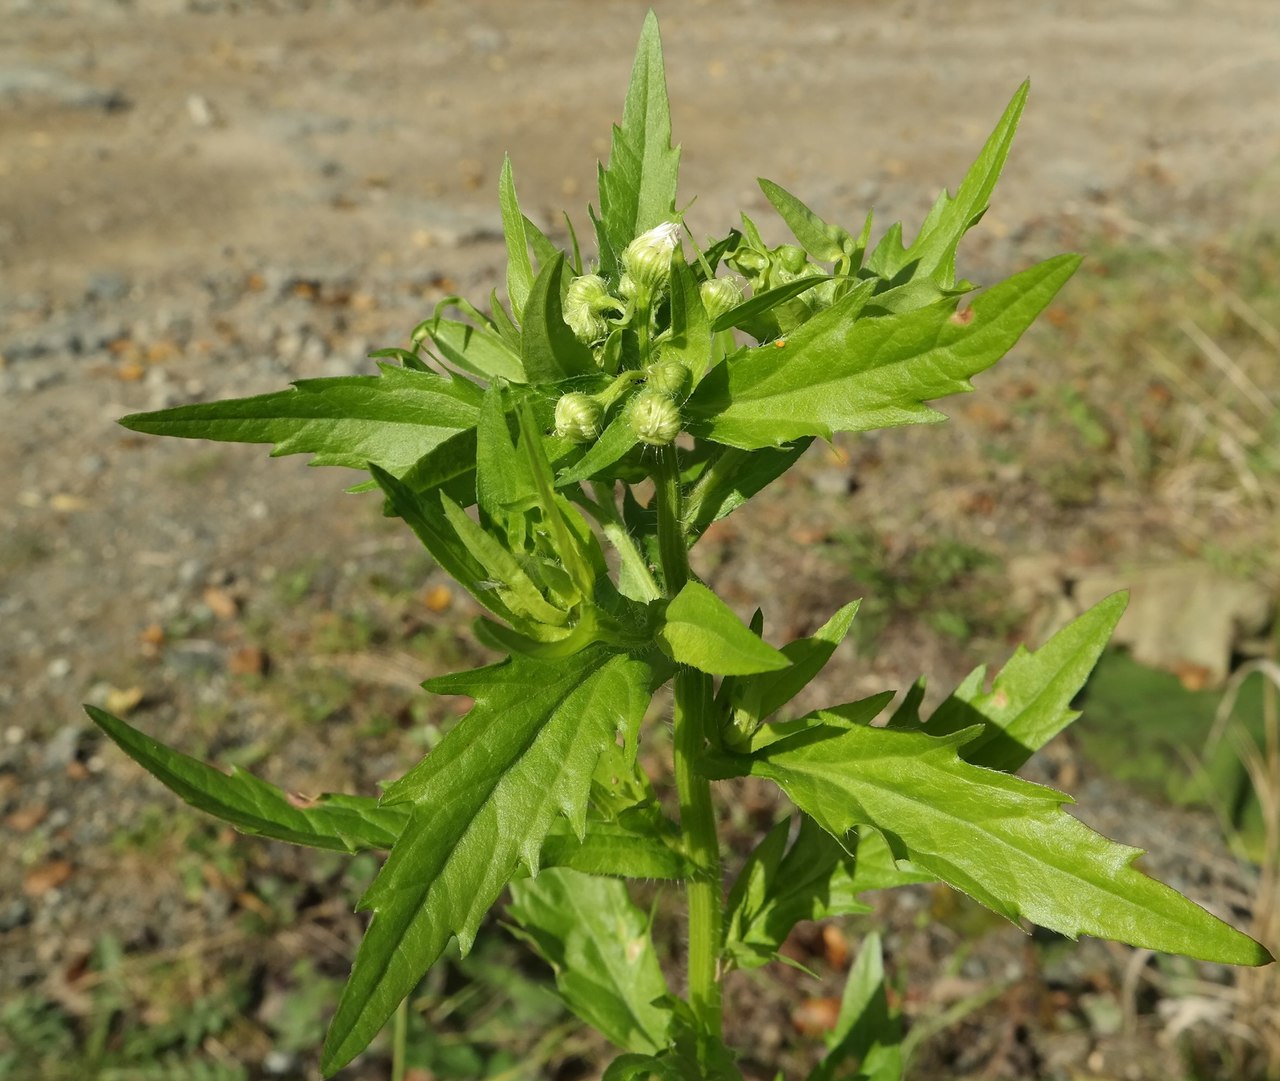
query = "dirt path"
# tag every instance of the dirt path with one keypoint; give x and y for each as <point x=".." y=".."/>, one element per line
<point x="196" y="203"/>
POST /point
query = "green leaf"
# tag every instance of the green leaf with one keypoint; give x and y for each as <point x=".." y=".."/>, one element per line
<point x="826" y="243"/>
<point x="779" y="886"/>
<point x="428" y="515"/>
<point x="504" y="476"/>
<point x="637" y="1067"/>
<point x="1004" y="841"/>
<point x="597" y="941"/>
<point x="731" y="478"/>
<point x="548" y="348"/>
<point x="700" y="630"/>
<point x="449" y="467"/>
<point x="933" y="253"/>
<point x="391" y="420"/>
<point x="544" y="251"/>
<point x="337" y="822"/>
<point x="615" y="443"/>
<point x="690" y="339"/>
<point x="840" y="375"/>
<point x="756" y="697"/>
<point x="1030" y="701"/>
<point x="473" y="347"/>
<point x="482" y="802"/>
<point x="867" y="1032"/>
<point x="626" y="847"/>
<point x="638" y="189"/>
<point x="519" y="268"/>
<point x="757" y="305"/>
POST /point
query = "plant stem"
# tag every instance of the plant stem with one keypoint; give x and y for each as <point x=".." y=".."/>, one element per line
<point x="697" y="815"/>
<point x="399" y="1040"/>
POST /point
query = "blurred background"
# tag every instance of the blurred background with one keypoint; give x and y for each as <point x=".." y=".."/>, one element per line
<point x="210" y="198"/>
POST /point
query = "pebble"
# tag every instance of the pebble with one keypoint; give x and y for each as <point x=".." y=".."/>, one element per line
<point x="59" y="668"/>
<point x="62" y="749"/>
<point x="14" y="913"/>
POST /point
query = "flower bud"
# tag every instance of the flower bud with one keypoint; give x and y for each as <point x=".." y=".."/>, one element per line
<point x="720" y="295"/>
<point x="648" y="258"/>
<point x="584" y="304"/>
<point x="579" y="418"/>
<point x="668" y="377"/>
<point x="627" y="287"/>
<point x="654" y="418"/>
<point x="791" y="258"/>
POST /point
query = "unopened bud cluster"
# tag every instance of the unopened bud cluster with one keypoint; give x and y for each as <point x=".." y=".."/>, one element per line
<point x="585" y="305"/>
<point x="647" y="259"/>
<point x="654" y="418"/>
<point x="719" y="295"/>
<point x="579" y="418"/>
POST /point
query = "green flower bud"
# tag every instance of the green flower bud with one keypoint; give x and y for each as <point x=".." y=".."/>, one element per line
<point x="654" y="418"/>
<point x="720" y="295"/>
<point x="669" y="377"/>
<point x="627" y="287"/>
<point x="579" y="418"/>
<point x="648" y="258"/>
<point x="791" y="258"/>
<point x="584" y="304"/>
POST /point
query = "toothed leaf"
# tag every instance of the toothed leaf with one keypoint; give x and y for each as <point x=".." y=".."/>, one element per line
<point x="840" y="375"/>
<point x="595" y="938"/>
<point x="1004" y="841"/>
<point x="337" y="822"/>
<point x="482" y="804"/>
<point x="391" y="419"/>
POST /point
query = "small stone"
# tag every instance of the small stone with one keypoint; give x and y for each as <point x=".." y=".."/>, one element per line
<point x="25" y="819"/>
<point x="14" y="913"/>
<point x="63" y="748"/>
<point x="247" y="661"/>
<point x="59" y="668"/>
<point x="40" y="880"/>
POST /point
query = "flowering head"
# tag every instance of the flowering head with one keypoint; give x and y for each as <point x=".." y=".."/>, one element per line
<point x="647" y="259"/>
<point x="584" y="306"/>
<point x="579" y="418"/>
<point x="654" y="418"/>
<point x="720" y="295"/>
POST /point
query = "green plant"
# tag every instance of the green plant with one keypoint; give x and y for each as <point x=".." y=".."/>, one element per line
<point x="617" y="405"/>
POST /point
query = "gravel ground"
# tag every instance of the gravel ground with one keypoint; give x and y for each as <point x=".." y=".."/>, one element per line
<point x="205" y="198"/>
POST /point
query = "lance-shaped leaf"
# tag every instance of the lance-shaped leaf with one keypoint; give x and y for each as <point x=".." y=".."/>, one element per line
<point x="473" y="347"/>
<point x="1030" y="700"/>
<point x="779" y="886"/>
<point x="391" y="420"/>
<point x="700" y="630"/>
<point x="838" y="375"/>
<point x="333" y="821"/>
<point x="548" y="348"/>
<point x="867" y="1033"/>
<point x="690" y="337"/>
<point x="742" y="314"/>
<point x="731" y="478"/>
<point x="624" y="847"/>
<point x="519" y="268"/>
<point x="595" y="938"/>
<point x="755" y="697"/>
<point x="615" y="443"/>
<point x="933" y="253"/>
<point x="826" y="243"/>
<point x="450" y="467"/>
<point x="483" y="802"/>
<point x="638" y="188"/>
<point x="627" y="846"/>
<point x="1004" y="841"/>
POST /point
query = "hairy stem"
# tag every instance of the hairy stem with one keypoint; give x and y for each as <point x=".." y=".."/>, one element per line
<point x="693" y="713"/>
